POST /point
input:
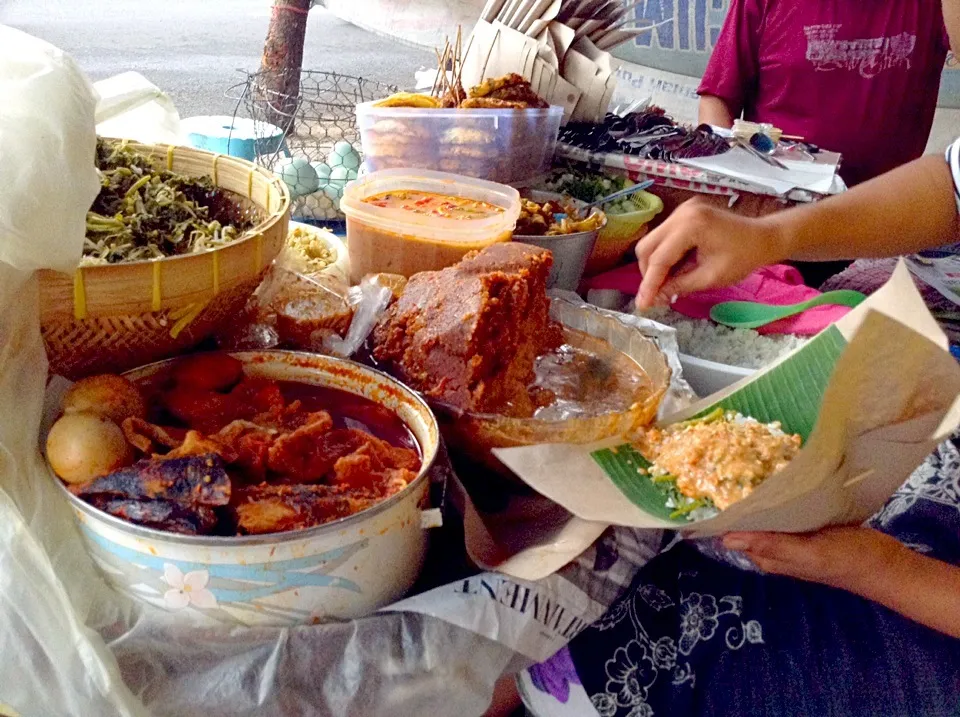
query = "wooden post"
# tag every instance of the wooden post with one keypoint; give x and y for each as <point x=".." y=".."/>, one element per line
<point x="279" y="84"/>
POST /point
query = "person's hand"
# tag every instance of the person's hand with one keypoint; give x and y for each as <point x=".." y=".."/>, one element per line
<point x="701" y="247"/>
<point x="840" y="557"/>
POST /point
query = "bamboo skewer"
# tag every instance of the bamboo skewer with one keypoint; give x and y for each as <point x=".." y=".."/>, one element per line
<point x="450" y="66"/>
<point x="458" y="82"/>
<point x="483" y="70"/>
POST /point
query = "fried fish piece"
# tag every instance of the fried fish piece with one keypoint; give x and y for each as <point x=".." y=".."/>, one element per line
<point x="193" y="481"/>
<point x="278" y="508"/>
<point x="160" y="515"/>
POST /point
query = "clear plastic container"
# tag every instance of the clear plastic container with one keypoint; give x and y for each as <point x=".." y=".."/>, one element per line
<point x="382" y="240"/>
<point x="508" y="146"/>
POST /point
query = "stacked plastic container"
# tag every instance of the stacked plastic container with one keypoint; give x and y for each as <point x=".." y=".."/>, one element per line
<point x="507" y="146"/>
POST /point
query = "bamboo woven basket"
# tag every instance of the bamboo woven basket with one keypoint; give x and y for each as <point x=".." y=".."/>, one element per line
<point x="115" y="317"/>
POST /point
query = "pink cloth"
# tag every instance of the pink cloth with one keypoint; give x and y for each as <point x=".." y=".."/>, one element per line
<point x="859" y="77"/>
<point x="778" y="284"/>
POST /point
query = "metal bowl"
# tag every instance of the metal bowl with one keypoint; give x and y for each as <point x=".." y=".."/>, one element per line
<point x="340" y="570"/>
<point x="571" y="252"/>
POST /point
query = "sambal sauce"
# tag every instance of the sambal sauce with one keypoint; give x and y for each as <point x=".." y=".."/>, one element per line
<point x="435" y="205"/>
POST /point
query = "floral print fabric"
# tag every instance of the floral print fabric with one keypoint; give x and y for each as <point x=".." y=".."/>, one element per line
<point x="694" y="636"/>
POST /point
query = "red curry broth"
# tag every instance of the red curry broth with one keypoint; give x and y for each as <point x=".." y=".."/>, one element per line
<point x="349" y="410"/>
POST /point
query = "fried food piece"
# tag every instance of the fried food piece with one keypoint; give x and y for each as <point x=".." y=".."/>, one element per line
<point x="363" y="470"/>
<point x="512" y="88"/>
<point x="535" y="220"/>
<point x="493" y="84"/>
<point x="309" y="454"/>
<point x="279" y="508"/>
<point x="409" y="99"/>
<point x="490" y="103"/>
<point x="196" y="444"/>
<point x="374" y="464"/>
<point x="193" y="481"/>
<point x="467" y="136"/>
<point x="540" y="220"/>
<point x="571" y="225"/>
<point x="468" y="335"/>
<point x="523" y="94"/>
<point x="148" y="437"/>
<point x="453" y="97"/>
<point x="160" y="515"/>
<point x="250" y="443"/>
<point x="392" y="130"/>
<point x="208" y="372"/>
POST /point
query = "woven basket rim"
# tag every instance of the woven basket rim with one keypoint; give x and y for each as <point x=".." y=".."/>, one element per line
<point x="252" y="233"/>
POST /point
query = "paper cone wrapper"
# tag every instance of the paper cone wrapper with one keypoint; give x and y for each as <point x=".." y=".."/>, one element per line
<point x="871" y="396"/>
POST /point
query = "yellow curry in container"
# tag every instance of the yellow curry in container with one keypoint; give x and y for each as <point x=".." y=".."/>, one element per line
<point x="407" y="221"/>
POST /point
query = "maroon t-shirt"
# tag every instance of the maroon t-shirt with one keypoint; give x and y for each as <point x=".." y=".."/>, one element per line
<point x="858" y="77"/>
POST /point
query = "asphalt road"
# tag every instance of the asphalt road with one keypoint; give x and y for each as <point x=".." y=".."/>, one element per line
<point x="193" y="49"/>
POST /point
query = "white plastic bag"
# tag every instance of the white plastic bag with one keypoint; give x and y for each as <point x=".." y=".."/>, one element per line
<point x="132" y="107"/>
<point x="51" y="664"/>
<point x="56" y="611"/>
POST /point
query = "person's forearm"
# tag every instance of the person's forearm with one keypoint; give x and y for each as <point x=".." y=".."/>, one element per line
<point x="716" y="112"/>
<point x="907" y="210"/>
<point x="951" y="18"/>
<point x="920" y="588"/>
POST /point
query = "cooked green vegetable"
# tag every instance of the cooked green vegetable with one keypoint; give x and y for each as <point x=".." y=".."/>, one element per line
<point x="589" y="187"/>
<point x="146" y="213"/>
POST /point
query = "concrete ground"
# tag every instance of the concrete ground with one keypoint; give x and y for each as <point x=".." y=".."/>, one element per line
<point x="193" y="49"/>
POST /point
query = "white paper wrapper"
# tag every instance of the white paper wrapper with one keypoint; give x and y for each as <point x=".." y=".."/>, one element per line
<point x="893" y="395"/>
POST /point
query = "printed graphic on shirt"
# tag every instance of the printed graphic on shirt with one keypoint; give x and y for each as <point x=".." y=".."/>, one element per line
<point x="869" y="57"/>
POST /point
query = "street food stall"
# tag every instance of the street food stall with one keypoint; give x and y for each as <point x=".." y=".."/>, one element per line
<point x="260" y="467"/>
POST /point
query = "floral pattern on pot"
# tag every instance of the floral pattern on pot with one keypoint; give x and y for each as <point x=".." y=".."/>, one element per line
<point x="208" y="588"/>
<point x="186" y="590"/>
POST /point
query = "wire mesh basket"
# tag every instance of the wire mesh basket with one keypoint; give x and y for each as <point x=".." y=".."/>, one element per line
<point x="315" y="147"/>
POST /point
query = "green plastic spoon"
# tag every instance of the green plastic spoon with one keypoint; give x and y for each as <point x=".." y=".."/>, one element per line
<point x="751" y="315"/>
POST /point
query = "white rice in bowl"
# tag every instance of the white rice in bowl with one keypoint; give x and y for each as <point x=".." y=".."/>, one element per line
<point x="734" y="347"/>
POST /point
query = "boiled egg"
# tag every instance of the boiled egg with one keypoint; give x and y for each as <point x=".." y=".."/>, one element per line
<point x="344" y="155"/>
<point x="299" y="176"/>
<point x="83" y="446"/>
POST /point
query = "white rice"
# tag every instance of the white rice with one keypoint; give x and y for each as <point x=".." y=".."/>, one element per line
<point x="734" y="347"/>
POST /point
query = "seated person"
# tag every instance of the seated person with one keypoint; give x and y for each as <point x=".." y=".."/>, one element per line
<point x="859" y="620"/>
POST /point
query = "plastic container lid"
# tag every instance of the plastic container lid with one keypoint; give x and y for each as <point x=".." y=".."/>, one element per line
<point x="439" y="229"/>
<point x="371" y="109"/>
